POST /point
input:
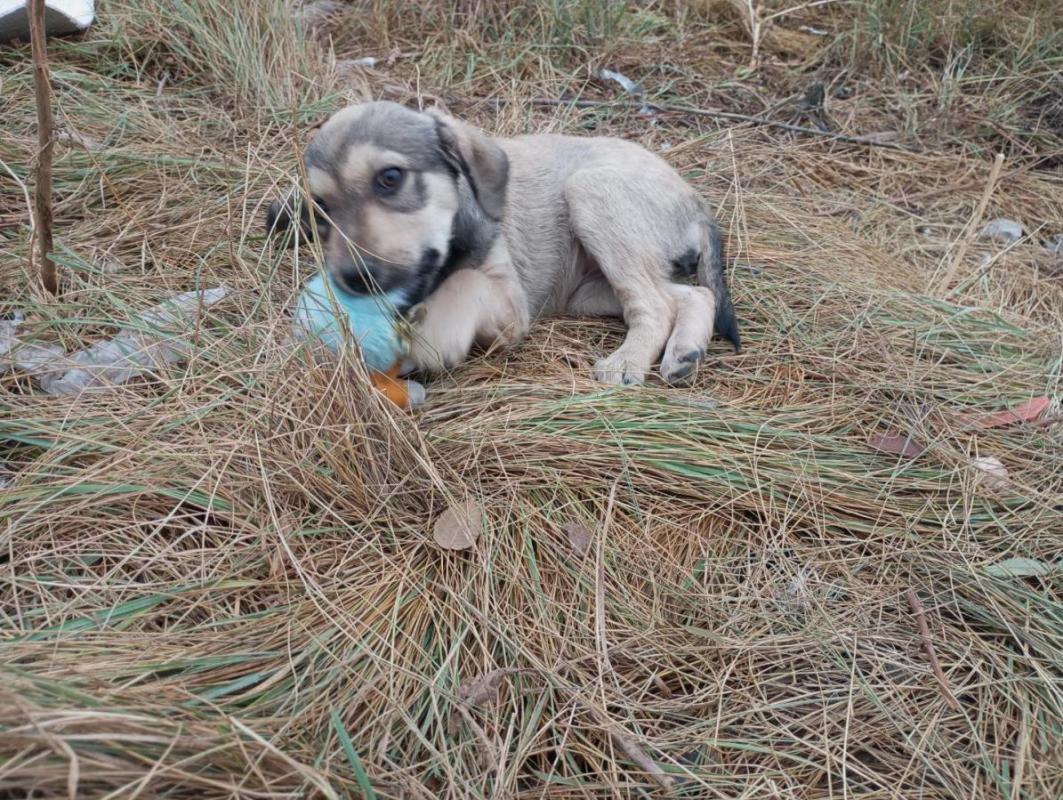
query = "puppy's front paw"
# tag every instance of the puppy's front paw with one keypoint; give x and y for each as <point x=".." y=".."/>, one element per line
<point x="617" y="370"/>
<point x="441" y="340"/>
<point x="434" y="358"/>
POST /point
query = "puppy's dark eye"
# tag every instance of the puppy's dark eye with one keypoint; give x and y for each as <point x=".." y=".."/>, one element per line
<point x="388" y="180"/>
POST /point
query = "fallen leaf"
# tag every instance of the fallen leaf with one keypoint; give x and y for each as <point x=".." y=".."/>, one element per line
<point x="74" y="138"/>
<point x="483" y="688"/>
<point x="1030" y="411"/>
<point x="897" y="444"/>
<point x="479" y="691"/>
<point x="579" y="536"/>
<point x="1021" y="568"/>
<point x="459" y="526"/>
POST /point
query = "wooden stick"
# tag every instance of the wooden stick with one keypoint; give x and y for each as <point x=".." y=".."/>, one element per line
<point x="928" y="645"/>
<point x="697" y="112"/>
<point x="626" y="742"/>
<point x="46" y="143"/>
<point x="972" y="229"/>
<point x="599" y="585"/>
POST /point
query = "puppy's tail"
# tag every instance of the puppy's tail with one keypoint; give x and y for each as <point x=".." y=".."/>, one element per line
<point x="712" y="274"/>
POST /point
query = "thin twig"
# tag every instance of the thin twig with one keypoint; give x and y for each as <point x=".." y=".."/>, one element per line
<point x="626" y="742"/>
<point x="972" y="227"/>
<point x="599" y="584"/>
<point x="869" y="141"/>
<point x="27" y="268"/>
<point x="928" y="645"/>
<point x="46" y="143"/>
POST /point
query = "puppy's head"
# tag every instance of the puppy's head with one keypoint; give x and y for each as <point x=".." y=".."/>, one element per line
<point x="396" y="192"/>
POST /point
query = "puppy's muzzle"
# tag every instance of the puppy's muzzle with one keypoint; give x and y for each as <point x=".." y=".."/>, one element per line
<point x="361" y="277"/>
<point x="364" y="274"/>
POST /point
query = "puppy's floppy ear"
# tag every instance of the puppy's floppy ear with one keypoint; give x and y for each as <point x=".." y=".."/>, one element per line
<point x="482" y="161"/>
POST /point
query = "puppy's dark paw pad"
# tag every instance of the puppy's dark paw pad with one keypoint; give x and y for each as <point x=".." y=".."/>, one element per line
<point x="680" y="375"/>
<point x="679" y="369"/>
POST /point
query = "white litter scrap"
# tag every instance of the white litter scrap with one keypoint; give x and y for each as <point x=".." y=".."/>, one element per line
<point x="992" y="471"/>
<point x="153" y="343"/>
<point x="9" y="332"/>
<point x="61" y="17"/>
<point x="1002" y="230"/>
<point x="625" y="82"/>
<point x="346" y="67"/>
<point x="627" y="85"/>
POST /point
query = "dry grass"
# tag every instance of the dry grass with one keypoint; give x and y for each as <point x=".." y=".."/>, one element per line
<point x="221" y="583"/>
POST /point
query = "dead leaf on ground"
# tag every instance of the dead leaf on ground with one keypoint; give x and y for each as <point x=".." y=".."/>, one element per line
<point x="1030" y="411"/>
<point x="479" y="691"/>
<point x="483" y="688"/>
<point x="459" y="526"/>
<point x="898" y="444"/>
<point x="579" y="536"/>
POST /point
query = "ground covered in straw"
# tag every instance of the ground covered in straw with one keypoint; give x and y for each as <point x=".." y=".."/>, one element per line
<point x="221" y="582"/>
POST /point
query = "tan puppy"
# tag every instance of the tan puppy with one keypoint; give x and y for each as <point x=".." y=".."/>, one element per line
<point x="489" y="233"/>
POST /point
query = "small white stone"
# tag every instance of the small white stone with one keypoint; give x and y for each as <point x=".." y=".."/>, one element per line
<point x="417" y="394"/>
<point x="1002" y="230"/>
<point x="994" y="473"/>
<point x="347" y="66"/>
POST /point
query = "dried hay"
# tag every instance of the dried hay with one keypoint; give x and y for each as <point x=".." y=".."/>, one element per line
<point x="223" y="582"/>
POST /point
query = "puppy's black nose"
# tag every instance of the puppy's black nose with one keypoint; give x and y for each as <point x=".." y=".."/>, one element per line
<point x="356" y="280"/>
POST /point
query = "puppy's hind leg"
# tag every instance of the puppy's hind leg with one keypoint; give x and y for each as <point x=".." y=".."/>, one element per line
<point x="626" y="258"/>
<point x="695" y="312"/>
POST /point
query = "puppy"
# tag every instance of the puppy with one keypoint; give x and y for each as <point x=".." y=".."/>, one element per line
<point x="489" y="233"/>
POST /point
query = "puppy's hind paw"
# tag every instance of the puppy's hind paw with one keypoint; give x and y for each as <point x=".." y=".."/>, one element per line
<point x="679" y="368"/>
